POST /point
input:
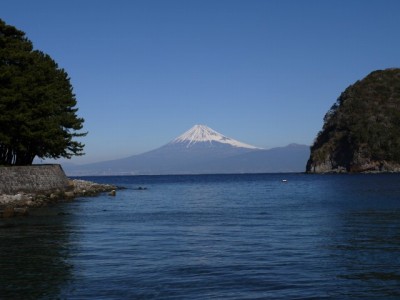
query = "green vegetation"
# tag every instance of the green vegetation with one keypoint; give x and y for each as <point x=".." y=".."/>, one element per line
<point x="37" y="105"/>
<point x="361" y="131"/>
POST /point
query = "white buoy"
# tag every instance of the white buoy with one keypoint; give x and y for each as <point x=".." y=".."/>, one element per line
<point x="284" y="180"/>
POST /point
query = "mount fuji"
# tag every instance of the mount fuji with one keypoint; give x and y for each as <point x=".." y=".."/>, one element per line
<point x="201" y="150"/>
<point x="202" y="134"/>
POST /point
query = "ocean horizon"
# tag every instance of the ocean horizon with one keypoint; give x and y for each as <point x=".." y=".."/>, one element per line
<point x="236" y="236"/>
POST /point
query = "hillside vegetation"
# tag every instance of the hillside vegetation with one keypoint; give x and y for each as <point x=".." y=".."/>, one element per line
<point x="361" y="131"/>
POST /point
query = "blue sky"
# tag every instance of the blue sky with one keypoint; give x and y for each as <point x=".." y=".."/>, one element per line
<point x="262" y="72"/>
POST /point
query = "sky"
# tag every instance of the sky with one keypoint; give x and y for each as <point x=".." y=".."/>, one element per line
<point x="263" y="72"/>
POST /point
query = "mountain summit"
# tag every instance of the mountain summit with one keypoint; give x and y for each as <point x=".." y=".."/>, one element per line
<point x="204" y="134"/>
<point x="202" y="150"/>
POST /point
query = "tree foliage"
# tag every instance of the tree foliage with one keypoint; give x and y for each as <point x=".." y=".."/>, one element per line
<point x="363" y="125"/>
<point x="37" y="105"/>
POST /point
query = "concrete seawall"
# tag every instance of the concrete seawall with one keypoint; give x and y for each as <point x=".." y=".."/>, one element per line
<point x="32" y="179"/>
<point x="23" y="188"/>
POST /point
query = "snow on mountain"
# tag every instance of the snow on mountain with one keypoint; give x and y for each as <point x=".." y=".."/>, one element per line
<point x="201" y="150"/>
<point x="203" y="133"/>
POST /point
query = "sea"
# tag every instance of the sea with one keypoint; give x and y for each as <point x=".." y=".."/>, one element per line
<point x="245" y="236"/>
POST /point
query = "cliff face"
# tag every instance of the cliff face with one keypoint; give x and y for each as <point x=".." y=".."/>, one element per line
<point x="361" y="131"/>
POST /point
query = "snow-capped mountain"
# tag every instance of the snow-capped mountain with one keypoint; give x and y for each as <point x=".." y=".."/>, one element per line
<point x="204" y="134"/>
<point x="202" y="150"/>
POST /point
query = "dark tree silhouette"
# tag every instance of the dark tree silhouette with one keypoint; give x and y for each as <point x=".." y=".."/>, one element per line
<point x="37" y="105"/>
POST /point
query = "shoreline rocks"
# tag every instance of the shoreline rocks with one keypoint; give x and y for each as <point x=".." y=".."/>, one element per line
<point x="20" y="203"/>
<point x="366" y="166"/>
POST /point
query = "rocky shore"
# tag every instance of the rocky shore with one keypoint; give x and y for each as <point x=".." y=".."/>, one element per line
<point x="20" y="203"/>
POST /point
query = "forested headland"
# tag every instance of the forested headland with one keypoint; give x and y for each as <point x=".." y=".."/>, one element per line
<point x="361" y="131"/>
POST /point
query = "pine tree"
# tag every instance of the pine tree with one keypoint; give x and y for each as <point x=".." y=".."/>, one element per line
<point x="37" y="105"/>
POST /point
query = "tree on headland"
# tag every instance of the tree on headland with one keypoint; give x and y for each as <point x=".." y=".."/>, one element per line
<point x="37" y="105"/>
<point x="361" y="132"/>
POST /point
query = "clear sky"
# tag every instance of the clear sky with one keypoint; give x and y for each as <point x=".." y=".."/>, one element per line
<point x="262" y="72"/>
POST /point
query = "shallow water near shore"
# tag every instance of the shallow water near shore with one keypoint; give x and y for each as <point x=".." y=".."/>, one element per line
<point x="211" y="237"/>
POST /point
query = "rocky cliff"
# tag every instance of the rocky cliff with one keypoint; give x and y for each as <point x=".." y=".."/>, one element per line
<point x="361" y="131"/>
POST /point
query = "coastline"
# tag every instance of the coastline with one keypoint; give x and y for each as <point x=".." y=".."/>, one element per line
<point x="19" y="204"/>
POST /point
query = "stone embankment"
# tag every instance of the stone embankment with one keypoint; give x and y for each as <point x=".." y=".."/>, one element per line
<point x="20" y="203"/>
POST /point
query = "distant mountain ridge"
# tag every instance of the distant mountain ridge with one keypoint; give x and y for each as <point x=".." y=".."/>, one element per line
<point x="203" y="133"/>
<point x="202" y="150"/>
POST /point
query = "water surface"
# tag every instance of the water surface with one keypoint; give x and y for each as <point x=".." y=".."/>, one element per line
<point x="212" y="237"/>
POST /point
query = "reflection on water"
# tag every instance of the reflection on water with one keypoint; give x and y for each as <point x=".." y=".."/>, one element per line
<point x="219" y="237"/>
<point x="33" y="253"/>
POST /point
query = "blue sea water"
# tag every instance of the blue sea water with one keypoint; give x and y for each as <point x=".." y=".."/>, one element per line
<point x="211" y="237"/>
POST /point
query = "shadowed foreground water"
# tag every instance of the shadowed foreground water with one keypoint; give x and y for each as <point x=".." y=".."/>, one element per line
<point x="212" y="237"/>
